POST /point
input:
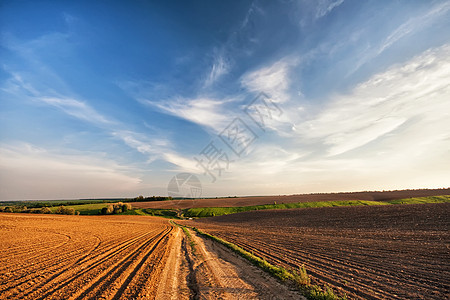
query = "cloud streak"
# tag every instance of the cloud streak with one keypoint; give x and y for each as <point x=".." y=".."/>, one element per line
<point x="414" y="24"/>
<point x="77" y="109"/>
<point x="209" y="113"/>
<point x="219" y="68"/>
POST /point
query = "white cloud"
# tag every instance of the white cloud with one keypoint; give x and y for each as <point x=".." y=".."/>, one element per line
<point x="325" y="7"/>
<point x="207" y="112"/>
<point x="414" y="93"/>
<point x="412" y="25"/>
<point x="273" y="80"/>
<point x="157" y="148"/>
<point x="22" y="87"/>
<point x="183" y="163"/>
<point x="154" y="147"/>
<point x="407" y="29"/>
<point x="76" y="108"/>
<point x="219" y="68"/>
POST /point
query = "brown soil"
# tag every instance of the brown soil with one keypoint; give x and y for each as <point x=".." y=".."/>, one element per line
<point x="370" y="252"/>
<point x="121" y="257"/>
<point x="248" y="201"/>
<point x="73" y="257"/>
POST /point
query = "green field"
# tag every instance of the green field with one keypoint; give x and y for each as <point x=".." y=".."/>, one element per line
<point x="85" y="209"/>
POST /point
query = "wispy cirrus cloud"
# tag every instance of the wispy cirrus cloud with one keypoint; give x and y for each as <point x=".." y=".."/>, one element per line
<point x="212" y="114"/>
<point x="310" y="12"/>
<point x="220" y="67"/>
<point x="154" y="147"/>
<point x="413" y="26"/>
<point x="272" y="79"/>
<point x="407" y="94"/>
<point x="157" y="148"/>
<point x="77" y="109"/>
<point x="22" y="86"/>
<point x="325" y="7"/>
<point x="416" y="23"/>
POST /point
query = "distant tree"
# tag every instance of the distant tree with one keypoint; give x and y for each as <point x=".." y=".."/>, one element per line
<point x="126" y="207"/>
<point x="65" y="210"/>
<point x="109" y="209"/>
<point x="45" y="210"/>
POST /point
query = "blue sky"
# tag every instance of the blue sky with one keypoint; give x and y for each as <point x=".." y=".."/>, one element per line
<point x="114" y="98"/>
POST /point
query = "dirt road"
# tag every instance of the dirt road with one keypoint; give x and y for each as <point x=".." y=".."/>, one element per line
<point x="202" y="269"/>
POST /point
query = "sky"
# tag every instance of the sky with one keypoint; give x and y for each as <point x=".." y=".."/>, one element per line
<point x="115" y="98"/>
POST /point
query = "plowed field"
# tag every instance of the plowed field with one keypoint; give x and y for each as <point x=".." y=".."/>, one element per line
<point x="369" y="252"/>
<point x="121" y="257"/>
<point x="73" y="257"/>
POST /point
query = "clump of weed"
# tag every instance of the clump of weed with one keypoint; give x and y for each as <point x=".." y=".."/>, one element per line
<point x="301" y="277"/>
<point x="315" y="292"/>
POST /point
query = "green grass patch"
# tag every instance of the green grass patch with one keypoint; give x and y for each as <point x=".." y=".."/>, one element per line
<point x="421" y="200"/>
<point x="85" y="209"/>
<point x="298" y="277"/>
<point x="135" y="212"/>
